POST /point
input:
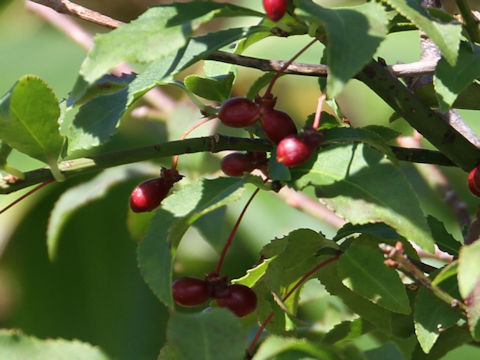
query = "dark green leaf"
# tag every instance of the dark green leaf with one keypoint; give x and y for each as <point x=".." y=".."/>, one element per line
<point x="363" y="271"/>
<point x="159" y="32"/>
<point x="353" y="35"/>
<point x="216" y="88"/>
<point x="445" y="241"/>
<point x="380" y="229"/>
<point x="446" y="36"/>
<point x="259" y="84"/>
<point x="179" y="211"/>
<point x="450" y="81"/>
<point x="17" y="346"/>
<point x="5" y="150"/>
<point x="276" y="170"/>
<point x="209" y="335"/>
<point x="389" y="351"/>
<point x="347" y="331"/>
<point x="468" y="268"/>
<point x="378" y="316"/>
<point x="29" y="115"/>
<point x="362" y="187"/>
<point x="448" y="340"/>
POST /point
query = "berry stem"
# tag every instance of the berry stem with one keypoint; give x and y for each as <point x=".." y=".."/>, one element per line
<point x="27" y="195"/>
<point x="234" y="230"/>
<point x="290" y="292"/>
<point x="185" y="134"/>
<point x="287" y="64"/>
<point x="318" y="112"/>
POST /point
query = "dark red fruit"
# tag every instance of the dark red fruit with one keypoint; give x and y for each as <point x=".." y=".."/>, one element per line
<point x="190" y="291"/>
<point x="293" y="151"/>
<point x="241" y="301"/>
<point x="275" y="9"/>
<point x="149" y="194"/>
<point x="277" y="124"/>
<point x="474" y="181"/>
<point x="238" y="112"/>
<point x="235" y="164"/>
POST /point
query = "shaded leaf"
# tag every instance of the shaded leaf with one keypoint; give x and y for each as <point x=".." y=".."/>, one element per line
<point x="388" y="350"/>
<point x="444" y="240"/>
<point x="468" y="268"/>
<point x="29" y="115"/>
<point x="168" y="352"/>
<point x="376" y="315"/>
<point x="445" y="36"/>
<point x="16" y="346"/>
<point x="209" y="335"/>
<point x="353" y="34"/>
<point x="362" y="187"/>
<point x="159" y="32"/>
<point x="180" y="210"/>
<point x="448" y="340"/>
<point x="450" y="81"/>
<point x="362" y="270"/>
<point x="214" y="88"/>
<point x="380" y="229"/>
<point x="76" y="197"/>
<point x="259" y="84"/>
<point x="347" y="331"/>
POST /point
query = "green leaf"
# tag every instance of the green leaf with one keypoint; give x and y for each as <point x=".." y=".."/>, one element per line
<point x="448" y="340"/>
<point x="363" y="271"/>
<point x="254" y="275"/>
<point x="96" y="121"/>
<point x="445" y="241"/>
<point x="376" y="315"/>
<point x="346" y="135"/>
<point x="29" y="115"/>
<point x="209" y="335"/>
<point x="468" y="268"/>
<point x="168" y="352"/>
<point x="276" y="170"/>
<point x="80" y="195"/>
<point x="353" y="35"/>
<point x="5" y="151"/>
<point x="473" y="311"/>
<point x="388" y="350"/>
<point x="16" y="346"/>
<point x="215" y="88"/>
<point x="159" y="32"/>
<point x="259" y="84"/>
<point x="445" y="36"/>
<point x="347" y="331"/>
<point x="180" y="210"/>
<point x="274" y="345"/>
<point x="380" y="229"/>
<point x="362" y="187"/>
<point x="450" y="81"/>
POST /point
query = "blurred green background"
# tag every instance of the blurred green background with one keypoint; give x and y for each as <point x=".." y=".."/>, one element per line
<point x="94" y="291"/>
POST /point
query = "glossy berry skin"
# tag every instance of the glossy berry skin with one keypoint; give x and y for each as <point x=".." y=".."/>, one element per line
<point x="235" y="164"/>
<point x="190" y="291"/>
<point x="238" y="112"/>
<point x="241" y="301"/>
<point x="275" y="9"/>
<point x="293" y="151"/>
<point x="277" y="124"/>
<point x="474" y="181"/>
<point x="148" y="195"/>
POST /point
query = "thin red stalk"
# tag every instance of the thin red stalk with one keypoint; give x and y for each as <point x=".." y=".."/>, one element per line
<point x="318" y="113"/>
<point x="290" y="292"/>
<point x="27" y="194"/>
<point x="287" y="64"/>
<point x="234" y="230"/>
<point x="186" y="133"/>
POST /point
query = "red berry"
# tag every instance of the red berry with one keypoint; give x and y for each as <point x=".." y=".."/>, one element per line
<point x="190" y="291"/>
<point x="149" y="194"/>
<point x="241" y="301"/>
<point x="238" y="112"/>
<point x="275" y="9"/>
<point x="235" y="164"/>
<point x="293" y="151"/>
<point x="277" y="124"/>
<point x="474" y="181"/>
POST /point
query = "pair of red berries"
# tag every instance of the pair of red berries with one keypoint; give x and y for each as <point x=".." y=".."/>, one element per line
<point x="192" y="291"/>
<point x="235" y="164"/>
<point x="275" y="9"/>
<point x="148" y="195"/>
<point x="293" y="149"/>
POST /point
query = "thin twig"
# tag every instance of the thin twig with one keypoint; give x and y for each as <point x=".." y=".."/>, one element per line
<point x="70" y="8"/>
<point x="396" y="258"/>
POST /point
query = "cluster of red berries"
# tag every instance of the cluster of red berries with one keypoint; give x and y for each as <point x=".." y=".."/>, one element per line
<point x="148" y="195"/>
<point x="474" y="181"/>
<point x="292" y="149"/>
<point x="193" y="291"/>
<point x="236" y="163"/>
